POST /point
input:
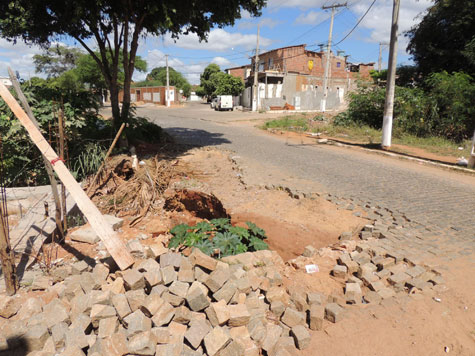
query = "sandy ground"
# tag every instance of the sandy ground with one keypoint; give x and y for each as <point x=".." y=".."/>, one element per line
<point x="405" y="325"/>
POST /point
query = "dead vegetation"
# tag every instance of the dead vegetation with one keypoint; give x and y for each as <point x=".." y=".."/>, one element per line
<point x="123" y="190"/>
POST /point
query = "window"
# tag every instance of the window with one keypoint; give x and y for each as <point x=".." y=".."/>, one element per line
<point x="261" y="66"/>
<point x="338" y="64"/>
<point x="270" y="63"/>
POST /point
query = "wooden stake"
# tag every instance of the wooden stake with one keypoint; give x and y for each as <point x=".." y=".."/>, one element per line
<point x="48" y="166"/>
<point x="61" y="155"/>
<point x="105" y="158"/>
<point x="114" y="245"/>
<point x="8" y="264"/>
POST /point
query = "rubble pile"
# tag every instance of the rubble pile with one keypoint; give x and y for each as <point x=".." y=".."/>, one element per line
<point x="374" y="269"/>
<point x="167" y="304"/>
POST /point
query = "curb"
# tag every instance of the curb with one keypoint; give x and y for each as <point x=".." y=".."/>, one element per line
<point x="403" y="157"/>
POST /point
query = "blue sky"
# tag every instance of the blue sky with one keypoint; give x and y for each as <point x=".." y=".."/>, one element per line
<point x="283" y="23"/>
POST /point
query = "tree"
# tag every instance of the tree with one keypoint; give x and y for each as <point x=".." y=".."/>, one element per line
<point x="227" y="84"/>
<point x="71" y="69"/>
<point x="200" y="91"/>
<point x="444" y="38"/>
<point x="406" y="76"/>
<point x="116" y="27"/>
<point x="89" y="72"/>
<point x="56" y="60"/>
<point x="214" y="82"/>
<point x="158" y="76"/>
<point x="209" y="87"/>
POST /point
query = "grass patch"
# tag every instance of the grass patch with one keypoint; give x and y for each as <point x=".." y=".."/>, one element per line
<point x="289" y="123"/>
<point x="368" y="135"/>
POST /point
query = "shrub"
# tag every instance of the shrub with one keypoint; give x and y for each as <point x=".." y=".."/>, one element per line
<point x="219" y="237"/>
<point x="452" y="105"/>
<point x="443" y="108"/>
<point x="86" y="132"/>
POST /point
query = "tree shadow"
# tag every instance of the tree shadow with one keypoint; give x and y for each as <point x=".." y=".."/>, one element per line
<point x="196" y="137"/>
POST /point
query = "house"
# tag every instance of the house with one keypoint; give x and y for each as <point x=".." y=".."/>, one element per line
<point x="6" y="81"/>
<point x="154" y="94"/>
<point x="294" y="75"/>
<point x="242" y="72"/>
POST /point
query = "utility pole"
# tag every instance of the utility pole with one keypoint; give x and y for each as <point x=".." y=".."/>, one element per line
<point x="323" y="103"/>
<point x="255" y="93"/>
<point x="381" y="44"/>
<point x="391" y="80"/>
<point x="167" y="95"/>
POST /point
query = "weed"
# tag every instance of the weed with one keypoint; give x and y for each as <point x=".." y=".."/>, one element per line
<point x="89" y="161"/>
<point x="292" y="123"/>
<point x="219" y="237"/>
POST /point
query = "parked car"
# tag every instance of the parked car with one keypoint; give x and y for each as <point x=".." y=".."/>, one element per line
<point x="225" y="102"/>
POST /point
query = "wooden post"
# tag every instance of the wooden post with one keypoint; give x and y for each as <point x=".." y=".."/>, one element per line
<point x="61" y="155"/>
<point x="48" y="166"/>
<point x="105" y="158"/>
<point x="111" y="241"/>
<point x="8" y="264"/>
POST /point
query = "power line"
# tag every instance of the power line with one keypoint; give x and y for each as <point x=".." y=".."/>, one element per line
<point x="313" y="28"/>
<point x="361" y="19"/>
<point x="206" y="57"/>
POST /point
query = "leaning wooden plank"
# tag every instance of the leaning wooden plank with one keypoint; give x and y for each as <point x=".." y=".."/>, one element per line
<point x="48" y="166"/>
<point x="111" y="241"/>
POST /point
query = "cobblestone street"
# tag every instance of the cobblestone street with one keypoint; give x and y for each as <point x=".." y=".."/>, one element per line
<point x="441" y="201"/>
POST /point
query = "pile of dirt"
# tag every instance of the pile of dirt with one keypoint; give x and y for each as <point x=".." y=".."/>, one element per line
<point x="199" y="204"/>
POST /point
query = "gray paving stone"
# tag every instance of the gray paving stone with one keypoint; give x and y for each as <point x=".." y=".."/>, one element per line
<point x="334" y="312"/>
<point x="197" y="331"/>
<point x="301" y="336"/>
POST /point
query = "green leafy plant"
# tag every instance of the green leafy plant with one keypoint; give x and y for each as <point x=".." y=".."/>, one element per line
<point x="219" y="237"/>
<point x="89" y="161"/>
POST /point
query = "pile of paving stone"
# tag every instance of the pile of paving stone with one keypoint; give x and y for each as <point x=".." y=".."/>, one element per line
<point x="372" y="270"/>
<point x="167" y="304"/>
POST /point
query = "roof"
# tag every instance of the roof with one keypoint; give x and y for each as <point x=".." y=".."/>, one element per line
<point x="362" y="64"/>
<point x="243" y="66"/>
<point x="277" y="49"/>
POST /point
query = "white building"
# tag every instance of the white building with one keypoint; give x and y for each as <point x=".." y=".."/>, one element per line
<point x="6" y="81"/>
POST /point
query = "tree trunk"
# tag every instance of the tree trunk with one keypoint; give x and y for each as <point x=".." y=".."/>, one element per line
<point x="114" y="98"/>
<point x="124" y="117"/>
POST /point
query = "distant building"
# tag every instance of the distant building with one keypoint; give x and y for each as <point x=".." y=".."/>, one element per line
<point x="194" y="97"/>
<point x="152" y="95"/>
<point x="6" y="81"/>
<point x="294" y="75"/>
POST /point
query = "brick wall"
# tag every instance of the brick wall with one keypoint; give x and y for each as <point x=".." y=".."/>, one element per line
<point x="296" y="59"/>
<point x="146" y="94"/>
<point x="239" y="72"/>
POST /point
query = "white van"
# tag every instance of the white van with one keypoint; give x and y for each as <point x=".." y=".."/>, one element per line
<point x="225" y="102"/>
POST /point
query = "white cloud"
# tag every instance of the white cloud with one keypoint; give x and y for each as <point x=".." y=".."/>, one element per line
<point x="303" y="4"/>
<point x="311" y="18"/>
<point x="191" y="71"/>
<point x="18" y="56"/>
<point x="264" y="22"/>
<point x="246" y="15"/>
<point x="218" y="40"/>
<point x="222" y="62"/>
<point x="378" y="20"/>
